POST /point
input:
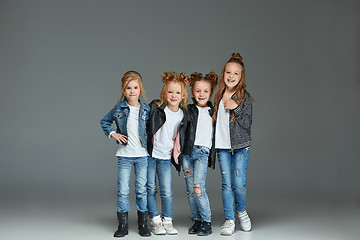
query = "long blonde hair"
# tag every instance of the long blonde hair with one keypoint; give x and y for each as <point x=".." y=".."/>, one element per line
<point x="171" y="77"/>
<point x="240" y="87"/>
<point x="129" y="76"/>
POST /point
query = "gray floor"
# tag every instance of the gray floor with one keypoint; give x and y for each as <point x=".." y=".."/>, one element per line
<point x="95" y="219"/>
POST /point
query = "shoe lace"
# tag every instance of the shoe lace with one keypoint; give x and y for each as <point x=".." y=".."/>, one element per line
<point x="157" y="224"/>
<point x="168" y="224"/>
<point x="227" y="224"/>
<point x="244" y="217"/>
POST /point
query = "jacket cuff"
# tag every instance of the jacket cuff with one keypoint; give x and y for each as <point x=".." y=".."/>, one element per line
<point x="111" y="133"/>
<point x="237" y="110"/>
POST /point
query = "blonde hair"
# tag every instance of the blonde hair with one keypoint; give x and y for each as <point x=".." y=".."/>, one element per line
<point x="128" y="77"/>
<point x="240" y="87"/>
<point x="171" y="77"/>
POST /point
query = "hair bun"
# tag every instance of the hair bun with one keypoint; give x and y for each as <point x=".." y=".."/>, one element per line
<point x="172" y="76"/>
<point x="184" y="78"/>
<point x="236" y="56"/>
<point x="168" y="76"/>
<point x="213" y="78"/>
<point x="195" y="77"/>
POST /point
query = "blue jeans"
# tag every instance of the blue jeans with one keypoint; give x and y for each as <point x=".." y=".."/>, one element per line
<point x="162" y="169"/>
<point x="233" y="166"/>
<point x="195" y="169"/>
<point x="124" y="169"/>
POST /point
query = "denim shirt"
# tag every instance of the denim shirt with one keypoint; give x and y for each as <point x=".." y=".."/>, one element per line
<point x="120" y="114"/>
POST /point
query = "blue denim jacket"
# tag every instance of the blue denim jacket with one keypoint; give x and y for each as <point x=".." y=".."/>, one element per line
<point x="120" y="114"/>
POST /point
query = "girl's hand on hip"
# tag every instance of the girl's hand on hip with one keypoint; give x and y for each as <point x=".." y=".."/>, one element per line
<point x="230" y="104"/>
<point x="119" y="137"/>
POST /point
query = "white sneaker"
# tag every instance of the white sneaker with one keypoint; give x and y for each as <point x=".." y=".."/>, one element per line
<point x="245" y="223"/>
<point x="228" y="228"/>
<point x="168" y="225"/>
<point x="156" y="226"/>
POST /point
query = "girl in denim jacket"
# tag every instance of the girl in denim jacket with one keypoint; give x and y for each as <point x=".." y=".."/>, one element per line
<point x="166" y="136"/>
<point x="130" y="116"/>
<point x="201" y="145"/>
<point x="233" y="118"/>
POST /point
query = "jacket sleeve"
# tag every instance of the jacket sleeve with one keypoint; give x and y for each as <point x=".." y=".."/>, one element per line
<point x="106" y="122"/>
<point x="243" y="112"/>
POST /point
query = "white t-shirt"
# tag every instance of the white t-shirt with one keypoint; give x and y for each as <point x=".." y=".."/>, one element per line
<point x="133" y="148"/>
<point x="222" y="133"/>
<point x="165" y="136"/>
<point x="204" y="128"/>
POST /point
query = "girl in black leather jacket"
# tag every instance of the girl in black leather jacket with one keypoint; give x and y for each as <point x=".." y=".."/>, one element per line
<point x="166" y="129"/>
<point x="201" y="146"/>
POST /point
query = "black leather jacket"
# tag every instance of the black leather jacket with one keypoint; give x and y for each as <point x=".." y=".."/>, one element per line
<point x="194" y="114"/>
<point x="157" y="118"/>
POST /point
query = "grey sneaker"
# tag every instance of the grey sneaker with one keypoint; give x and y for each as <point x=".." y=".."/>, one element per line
<point x="245" y="223"/>
<point x="228" y="228"/>
<point x="156" y="226"/>
<point x="168" y="226"/>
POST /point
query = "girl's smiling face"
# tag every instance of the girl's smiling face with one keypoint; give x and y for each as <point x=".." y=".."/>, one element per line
<point x="202" y="92"/>
<point x="174" y="94"/>
<point x="232" y="75"/>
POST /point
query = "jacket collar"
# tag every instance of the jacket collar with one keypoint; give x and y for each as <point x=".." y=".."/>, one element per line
<point x="124" y="104"/>
<point x="209" y="104"/>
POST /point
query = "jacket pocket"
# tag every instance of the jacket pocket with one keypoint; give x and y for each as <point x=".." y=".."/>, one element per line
<point x="119" y="114"/>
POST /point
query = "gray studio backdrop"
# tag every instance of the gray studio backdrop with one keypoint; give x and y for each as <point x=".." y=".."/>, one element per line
<point x="60" y="68"/>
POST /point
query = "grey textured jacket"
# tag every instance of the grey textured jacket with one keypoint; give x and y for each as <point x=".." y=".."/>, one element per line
<point x="240" y="128"/>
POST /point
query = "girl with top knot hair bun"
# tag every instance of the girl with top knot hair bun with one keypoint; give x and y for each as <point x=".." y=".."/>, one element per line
<point x="233" y="119"/>
<point x="168" y="121"/>
<point x="201" y="146"/>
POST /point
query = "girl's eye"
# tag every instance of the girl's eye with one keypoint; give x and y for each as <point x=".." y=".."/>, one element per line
<point x="236" y="74"/>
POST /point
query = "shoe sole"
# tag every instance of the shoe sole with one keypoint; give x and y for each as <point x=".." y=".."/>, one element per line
<point x="119" y="236"/>
<point x="227" y="234"/>
<point x="202" y="234"/>
<point x="159" y="233"/>
<point x="245" y="230"/>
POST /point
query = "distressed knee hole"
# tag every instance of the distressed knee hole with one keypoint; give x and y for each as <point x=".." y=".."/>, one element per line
<point x="237" y="173"/>
<point x="197" y="189"/>
<point x="187" y="172"/>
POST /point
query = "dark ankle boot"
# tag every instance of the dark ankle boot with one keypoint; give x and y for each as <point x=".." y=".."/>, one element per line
<point x="205" y="229"/>
<point x="123" y="225"/>
<point x="142" y="224"/>
<point x="195" y="227"/>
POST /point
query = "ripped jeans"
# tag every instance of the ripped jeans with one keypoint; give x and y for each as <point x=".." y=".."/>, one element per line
<point x="195" y="169"/>
<point x="233" y="166"/>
